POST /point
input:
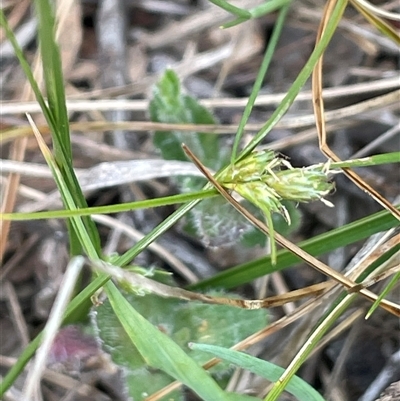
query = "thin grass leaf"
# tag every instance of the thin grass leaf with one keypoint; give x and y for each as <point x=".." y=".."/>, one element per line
<point x="55" y="115"/>
<point x="308" y="346"/>
<point x="76" y="222"/>
<point x="268" y="7"/>
<point x="239" y="12"/>
<point x="272" y="43"/>
<point x="395" y="279"/>
<point x="53" y="76"/>
<point x="259" y="11"/>
<point x="116" y="208"/>
<point x="386" y="290"/>
<point x="296" y="386"/>
<point x="318" y="245"/>
<point x="26" y="68"/>
<point x="375" y="160"/>
<point x="300" y="80"/>
<point x="235" y="22"/>
<point x="379" y="23"/>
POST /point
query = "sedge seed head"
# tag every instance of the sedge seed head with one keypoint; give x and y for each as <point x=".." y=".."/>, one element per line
<point x="251" y="168"/>
<point x="300" y="184"/>
<point x="265" y="179"/>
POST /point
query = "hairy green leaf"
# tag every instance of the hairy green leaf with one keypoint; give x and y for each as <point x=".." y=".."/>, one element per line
<point x="180" y="323"/>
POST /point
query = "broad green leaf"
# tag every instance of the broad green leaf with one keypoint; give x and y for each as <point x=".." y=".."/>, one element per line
<point x="217" y="223"/>
<point x="182" y="322"/>
<point x="160" y="352"/>
<point x="170" y="105"/>
<point x="145" y="381"/>
<point x="296" y="386"/>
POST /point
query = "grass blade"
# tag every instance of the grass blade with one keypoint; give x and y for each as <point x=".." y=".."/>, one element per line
<point x="52" y="72"/>
<point x="296" y="386"/>
<point x="300" y="80"/>
<point x="318" y="245"/>
<point x="239" y="12"/>
<point x="260" y="78"/>
<point x="116" y="208"/>
<point x="308" y="346"/>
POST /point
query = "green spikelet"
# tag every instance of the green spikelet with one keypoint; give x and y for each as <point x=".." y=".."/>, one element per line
<point x="265" y="179"/>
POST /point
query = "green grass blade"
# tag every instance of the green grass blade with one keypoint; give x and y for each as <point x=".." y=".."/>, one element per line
<point x="318" y="245"/>
<point x="53" y="76"/>
<point x="116" y="208"/>
<point x="395" y="279"/>
<point x="260" y="78"/>
<point x="300" y="80"/>
<point x="379" y="23"/>
<point x="267" y="7"/>
<point x="386" y="290"/>
<point x="76" y="222"/>
<point x="19" y="366"/>
<point x="239" y="12"/>
<point x="262" y="9"/>
<point x="296" y="386"/>
<point x="153" y="235"/>
<point x="26" y="68"/>
<point x="55" y="113"/>
<point x="308" y="346"/>
<point x="375" y="160"/>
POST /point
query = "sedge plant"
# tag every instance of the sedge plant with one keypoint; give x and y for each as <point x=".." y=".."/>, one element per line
<point x="262" y="177"/>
